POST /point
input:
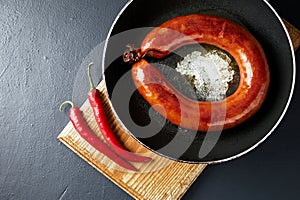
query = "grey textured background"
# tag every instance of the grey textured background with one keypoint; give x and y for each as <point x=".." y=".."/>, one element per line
<point x="42" y="45"/>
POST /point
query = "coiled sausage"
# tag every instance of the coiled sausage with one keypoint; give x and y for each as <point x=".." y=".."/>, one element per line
<point x="202" y="115"/>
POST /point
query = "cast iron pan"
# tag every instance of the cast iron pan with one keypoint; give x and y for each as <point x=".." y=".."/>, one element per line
<point x="159" y="135"/>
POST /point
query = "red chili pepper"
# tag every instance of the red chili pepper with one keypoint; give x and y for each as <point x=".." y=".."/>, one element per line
<point x="95" y="100"/>
<point x="86" y="133"/>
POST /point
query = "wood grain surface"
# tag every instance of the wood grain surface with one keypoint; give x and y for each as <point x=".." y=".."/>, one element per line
<point x="159" y="179"/>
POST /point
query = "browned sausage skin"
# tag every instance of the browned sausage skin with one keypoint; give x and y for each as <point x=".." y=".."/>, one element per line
<point x="200" y="115"/>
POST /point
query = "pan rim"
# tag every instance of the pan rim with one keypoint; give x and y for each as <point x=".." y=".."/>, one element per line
<point x="217" y="161"/>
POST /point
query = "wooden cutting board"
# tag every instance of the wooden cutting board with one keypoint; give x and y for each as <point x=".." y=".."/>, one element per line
<point x="159" y="179"/>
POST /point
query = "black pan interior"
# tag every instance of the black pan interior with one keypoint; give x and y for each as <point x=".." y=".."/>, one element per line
<point x="166" y="138"/>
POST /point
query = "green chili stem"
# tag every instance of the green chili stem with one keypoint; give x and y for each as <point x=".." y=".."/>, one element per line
<point x="92" y="86"/>
<point x="66" y="102"/>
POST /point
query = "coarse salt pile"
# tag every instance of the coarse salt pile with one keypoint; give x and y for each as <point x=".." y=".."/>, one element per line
<point x="208" y="72"/>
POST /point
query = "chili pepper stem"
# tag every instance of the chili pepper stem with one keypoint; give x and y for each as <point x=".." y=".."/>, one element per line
<point x="66" y="102"/>
<point x="92" y="86"/>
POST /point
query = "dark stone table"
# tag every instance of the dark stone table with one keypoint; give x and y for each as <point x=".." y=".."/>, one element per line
<point x="42" y="44"/>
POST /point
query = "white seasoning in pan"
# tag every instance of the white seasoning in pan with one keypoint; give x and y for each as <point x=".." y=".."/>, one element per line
<point x="209" y="73"/>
